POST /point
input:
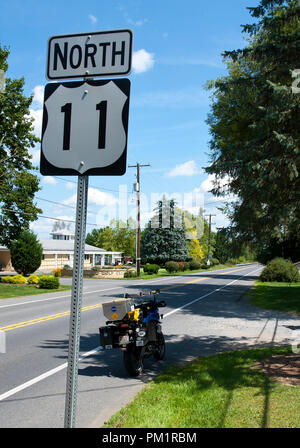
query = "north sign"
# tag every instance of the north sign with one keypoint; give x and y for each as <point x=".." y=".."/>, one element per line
<point x="103" y="53"/>
<point x="84" y="130"/>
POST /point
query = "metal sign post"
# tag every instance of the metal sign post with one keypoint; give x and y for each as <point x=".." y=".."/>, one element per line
<point x="84" y="133"/>
<point x="75" y="314"/>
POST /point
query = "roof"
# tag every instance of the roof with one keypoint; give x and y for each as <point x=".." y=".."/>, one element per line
<point x="68" y="246"/>
<point x="64" y="246"/>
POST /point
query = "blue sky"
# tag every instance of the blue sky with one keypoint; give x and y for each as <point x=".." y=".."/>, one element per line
<point x="177" y="48"/>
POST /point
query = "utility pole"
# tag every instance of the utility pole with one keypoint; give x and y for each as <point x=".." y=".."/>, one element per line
<point x="138" y="218"/>
<point x="209" y="236"/>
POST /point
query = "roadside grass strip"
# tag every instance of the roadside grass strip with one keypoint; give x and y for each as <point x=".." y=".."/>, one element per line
<point x="220" y="391"/>
<point x="276" y="296"/>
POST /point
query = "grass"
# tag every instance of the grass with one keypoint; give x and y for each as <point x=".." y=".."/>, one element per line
<point x="277" y="296"/>
<point x="8" y="290"/>
<point x="220" y="391"/>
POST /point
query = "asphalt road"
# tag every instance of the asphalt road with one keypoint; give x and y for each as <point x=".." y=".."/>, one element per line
<point x="205" y="314"/>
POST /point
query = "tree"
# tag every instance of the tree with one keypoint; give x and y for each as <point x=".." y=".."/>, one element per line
<point x="164" y="237"/>
<point x="26" y="253"/>
<point x="118" y="236"/>
<point x="17" y="185"/>
<point x="255" y="134"/>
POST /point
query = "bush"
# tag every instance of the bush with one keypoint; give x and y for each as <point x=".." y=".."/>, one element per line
<point x="180" y="265"/>
<point x="26" y="253"/>
<point x="14" y="279"/>
<point x="186" y="265"/>
<point x="194" y="265"/>
<point x="66" y="266"/>
<point x="172" y="266"/>
<point x="151" y="268"/>
<point x="214" y="261"/>
<point x="33" y="280"/>
<point x="205" y="266"/>
<point x="130" y="273"/>
<point x="48" y="282"/>
<point x="242" y="259"/>
<point x="280" y="270"/>
<point x="57" y="272"/>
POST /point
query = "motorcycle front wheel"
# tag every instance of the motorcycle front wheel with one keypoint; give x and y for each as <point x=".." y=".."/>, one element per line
<point x="159" y="353"/>
<point x="133" y="360"/>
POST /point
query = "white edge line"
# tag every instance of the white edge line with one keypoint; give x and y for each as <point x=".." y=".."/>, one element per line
<point x="95" y="350"/>
<point x="44" y="376"/>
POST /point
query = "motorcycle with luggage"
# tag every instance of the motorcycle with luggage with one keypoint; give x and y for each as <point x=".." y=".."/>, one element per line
<point x="134" y="326"/>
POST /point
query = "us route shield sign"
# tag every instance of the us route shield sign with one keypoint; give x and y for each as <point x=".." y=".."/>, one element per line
<point x="84" y="130"/>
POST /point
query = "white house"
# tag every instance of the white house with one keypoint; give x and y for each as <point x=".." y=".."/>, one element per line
<point x="59" y="252"/>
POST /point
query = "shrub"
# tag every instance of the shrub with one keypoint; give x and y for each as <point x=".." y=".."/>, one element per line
<point x="215" y="261"/>
<point x="180" y="265"/>
<point x="33" y="280"/>
<point x="130" y="273"/>
<point x="172" y="266"/>
<point x="186" y="265"/>
<point x="194" y="265"/>
<point x="57" y="272"/>
<point x="48" y="282"/>
<point x="66" y="266"/>
<point x="242" y="259"/>
<point x="14" y="279"/>
<point x="280" y="270"/>
<point x="232" y="261"/>
<point x="205" y="266"/>
<point x="26" y="253"/>
<point x="151" y="268"/>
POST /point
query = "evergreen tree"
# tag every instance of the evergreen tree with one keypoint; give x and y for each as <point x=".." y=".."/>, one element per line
<point x="26" y="253"/>
<point x="164" y="237"/>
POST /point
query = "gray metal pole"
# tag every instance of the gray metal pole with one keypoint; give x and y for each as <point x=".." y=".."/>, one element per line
<point x="76" y="300"/>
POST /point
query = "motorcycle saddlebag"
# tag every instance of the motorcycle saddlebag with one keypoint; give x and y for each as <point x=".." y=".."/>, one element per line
<point x="106" y="337"/>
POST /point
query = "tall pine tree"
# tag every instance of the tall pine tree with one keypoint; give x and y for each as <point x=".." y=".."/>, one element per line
<point x="164" y="237"/>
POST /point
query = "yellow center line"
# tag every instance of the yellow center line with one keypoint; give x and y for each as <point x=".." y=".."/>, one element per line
<point x="97" y="305"/>
<point x="45" y="318"/>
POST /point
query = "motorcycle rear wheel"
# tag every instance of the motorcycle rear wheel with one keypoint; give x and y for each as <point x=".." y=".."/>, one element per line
<point x="133" y="360"/>
<point x="159" y="353"/>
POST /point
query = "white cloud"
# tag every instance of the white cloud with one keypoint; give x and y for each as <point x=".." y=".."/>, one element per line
<point x="70" y="185"/>
<point x="185" y="169"/>
<point x="208" y="184"/>
<point x="95" y="197"/>
<point x="37" y="116"/>
<point x="36" y="155"/>
<point x="38" y="96"/>
<point x="36" y="111"/>
<point x="49" y="180"/>
<point x="142" y="61"/>
<point x="93" y="19"/>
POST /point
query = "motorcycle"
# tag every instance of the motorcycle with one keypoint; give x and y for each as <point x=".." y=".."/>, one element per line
<point x="134" y="326"/>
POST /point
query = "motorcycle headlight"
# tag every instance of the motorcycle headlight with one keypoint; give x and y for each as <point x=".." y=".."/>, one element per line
<point x="142" y="333"/>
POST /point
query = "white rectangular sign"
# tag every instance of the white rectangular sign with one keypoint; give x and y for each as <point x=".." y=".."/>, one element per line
<point x="103" y="53"/>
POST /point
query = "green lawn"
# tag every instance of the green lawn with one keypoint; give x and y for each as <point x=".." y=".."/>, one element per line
<point x="220" y="391"/>
<point x="277" y="296"/>
<point x="9" y="290"/>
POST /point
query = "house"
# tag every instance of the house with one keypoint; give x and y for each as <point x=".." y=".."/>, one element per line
<point x="59" y="252"/>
